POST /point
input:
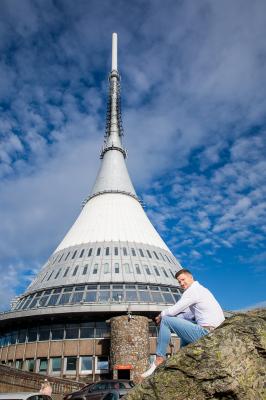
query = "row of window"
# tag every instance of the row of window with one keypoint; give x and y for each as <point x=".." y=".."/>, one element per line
<point x="99" y="294"/>
<point x="87" y="330"/>
<point x="63" y="365"/>
<point x="107" y="251"/>
<point x="107" y="268"/>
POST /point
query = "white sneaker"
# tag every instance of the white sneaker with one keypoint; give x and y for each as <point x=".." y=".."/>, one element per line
<point x="149" y="371"/>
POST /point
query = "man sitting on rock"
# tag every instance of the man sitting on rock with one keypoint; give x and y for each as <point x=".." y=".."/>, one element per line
<point x="195" y="314"/>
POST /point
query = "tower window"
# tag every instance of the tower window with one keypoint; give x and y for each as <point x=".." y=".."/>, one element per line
<point x="67" y="255"/>
<point x="149" y="253"/>
<point x="64" y="298"/>
<point x="125" y="251"/>
<point x="167" y="258"/>
<point x="116" y="268"/>
<point x="171" y="272"/>
<point x="68" y="289"/>
<point x="106" y="268"/>
<point x="75" y="270"/>
<point x="53" y="299"/>
<point x="77" y="297"/>
<point x="157" y="297"/>
<point x="95" y="269"/>
<point x="133" y="252"/>
<point x="162" y="257"/>
<point x="144" y="296"/>
<point x="90" y="296"/>
<point x="102" y="364"/>
<point x="98" y="251"/>
<point x="50" y="276"/>
<point x="141" y="252"/>
<point x="148" y="272"/>
<point x="85" y="269"/>
<point x="61" y="257"/>
<point x="116" y="251"/>
<point x="90" y="252"/>
<point x="56" y="364"/>
<point x="165" y="273"/>
<point x="58" y="272"/>
<point x="156" y="255"/>
<point x="107" y="251"/>
<point x="127" y="268"/>
<point x="81" y="253"/>
<point x="66" y="271"/>
<point x="71" y="364"/>
<point x="137" y="269"/>
<point x="74" y="254"/>
<point x="156" y="270"/>
<point x="44" y="276"/>
<point x="85" y="363"/>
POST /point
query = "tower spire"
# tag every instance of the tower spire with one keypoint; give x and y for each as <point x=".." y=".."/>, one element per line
<point x="114" y="52"/>
<point x="113" y="175"/>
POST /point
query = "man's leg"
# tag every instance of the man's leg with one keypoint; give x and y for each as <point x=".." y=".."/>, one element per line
<point x="187" y="331"/>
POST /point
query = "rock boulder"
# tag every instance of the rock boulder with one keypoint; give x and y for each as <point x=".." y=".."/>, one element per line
<point x="229" y="363"/>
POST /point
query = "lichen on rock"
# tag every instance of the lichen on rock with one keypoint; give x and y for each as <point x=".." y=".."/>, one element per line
<point x="229" y="363"/>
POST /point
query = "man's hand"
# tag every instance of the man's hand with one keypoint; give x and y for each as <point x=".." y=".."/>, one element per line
<point x="158" y="319"/>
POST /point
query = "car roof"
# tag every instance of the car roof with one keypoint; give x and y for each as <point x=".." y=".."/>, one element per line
<point x="111" y="380"/>
<point x="19" y="395"/>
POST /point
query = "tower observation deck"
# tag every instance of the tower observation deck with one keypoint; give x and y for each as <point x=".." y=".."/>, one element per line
<point x="110" y="261"/>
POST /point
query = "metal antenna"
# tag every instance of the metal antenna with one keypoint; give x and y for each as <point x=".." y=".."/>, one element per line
<point x="114" y="52"/>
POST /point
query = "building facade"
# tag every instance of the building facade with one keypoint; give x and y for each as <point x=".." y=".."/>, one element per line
<point x="112" y="262"/>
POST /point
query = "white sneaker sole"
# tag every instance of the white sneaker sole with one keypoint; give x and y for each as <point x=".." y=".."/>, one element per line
<point x="149" y="371"/>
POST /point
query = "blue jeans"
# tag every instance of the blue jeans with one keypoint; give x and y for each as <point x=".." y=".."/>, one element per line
<point x="187" y="331"/>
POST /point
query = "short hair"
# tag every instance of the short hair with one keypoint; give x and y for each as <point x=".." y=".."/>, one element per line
<point x="182" y="271"/>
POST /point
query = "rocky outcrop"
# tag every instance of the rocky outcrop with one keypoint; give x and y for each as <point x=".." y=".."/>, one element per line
<point x="229" y="363"/>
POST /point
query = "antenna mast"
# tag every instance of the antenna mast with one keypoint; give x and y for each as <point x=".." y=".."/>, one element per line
<point x="114" y="52"/>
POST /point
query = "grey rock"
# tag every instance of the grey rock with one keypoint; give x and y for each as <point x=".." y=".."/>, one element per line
<point x="229" y="363"/>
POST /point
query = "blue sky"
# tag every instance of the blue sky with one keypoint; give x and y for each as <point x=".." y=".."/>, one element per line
<point x="194" y="116"/>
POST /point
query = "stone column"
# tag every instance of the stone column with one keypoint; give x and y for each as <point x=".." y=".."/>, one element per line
<point x="129" y="344"/>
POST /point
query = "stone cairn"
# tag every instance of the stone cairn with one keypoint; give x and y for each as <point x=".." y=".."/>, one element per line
<point x="129" y="344"/>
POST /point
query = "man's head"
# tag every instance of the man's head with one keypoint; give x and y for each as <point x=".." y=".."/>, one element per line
<point x="185" y="278"/>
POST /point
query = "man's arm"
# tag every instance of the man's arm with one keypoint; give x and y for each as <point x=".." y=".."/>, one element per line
<point x="187" y="314"/>
<point x="189" y="297"/>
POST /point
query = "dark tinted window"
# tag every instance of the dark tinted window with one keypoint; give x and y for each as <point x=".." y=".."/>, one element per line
<point x="141" y="252"/>
<point x="85" y="269"/>
<point x="44" y="334"/>
<point x="75" y="270"/>
<point x="72" y="332"/>
<point x="64" y="298"/>
<point x="57" y="333"/>
<point x="74" y="254"/>
<point x="53" y="299"/>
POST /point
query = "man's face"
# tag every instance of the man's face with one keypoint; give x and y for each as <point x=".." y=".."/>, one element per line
<point x="185" y="280"/>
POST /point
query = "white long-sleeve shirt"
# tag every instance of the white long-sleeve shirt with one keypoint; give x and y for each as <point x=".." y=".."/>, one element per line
<point x="202" y="305"/>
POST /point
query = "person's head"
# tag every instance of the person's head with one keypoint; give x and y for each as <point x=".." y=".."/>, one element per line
<point x="185" y="278"/>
